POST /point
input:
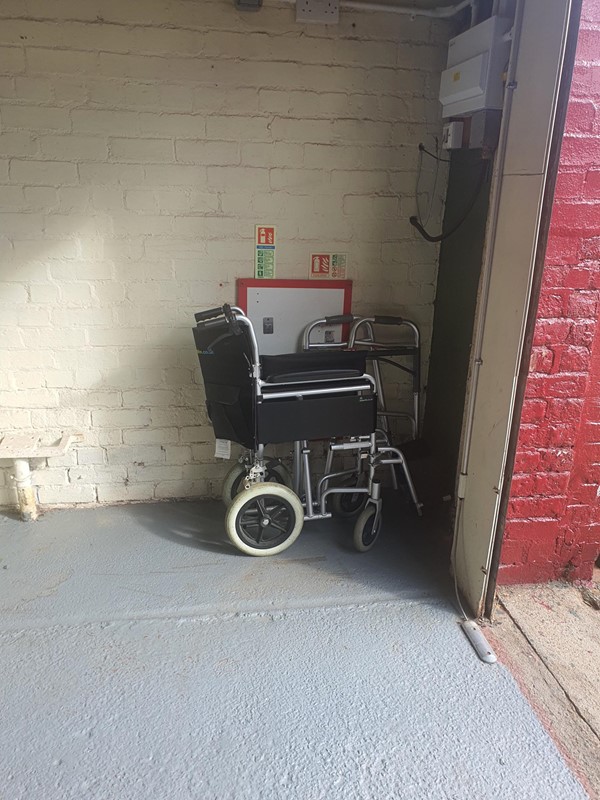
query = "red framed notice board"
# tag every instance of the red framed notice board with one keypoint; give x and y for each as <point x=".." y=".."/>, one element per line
<point x="281" y="309"/>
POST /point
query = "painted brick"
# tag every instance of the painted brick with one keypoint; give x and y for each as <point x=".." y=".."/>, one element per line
<point x="147" y="474"/>
<point x="569" y="185"/>
<point x="73" y="148"/>
<point x="542" y="360"/>
<point x="581" y="117"/>
<point x="551" y="331"/>
<point x="583" y="305"/>
<point x="13" y="293"/>
<point x="526" y="460"/>
<point x="552" y="304"/>
<point x="36" y="118"/>
<point x="579" y="151"/>
<point x="138" y="454"/>
<point x="556" y="459"/>
<point x="574" y="359"/>
<point x="567" y="410"/>
<point x="49" y="173"/>
<point x="120" y="493"/>
<point x="589" y="248"/>
<point x="181" y="488"/>
<point x="551" y="483"/>
<point x="216" y="153"/>
<point x="592" y="184"/>
<point x="97" y="474"/>
<point x="513" y="552"/>
<point x="90" y="455"/>
<point x="529" y="572"/>
<point x="139" y="150"/>
<point x="66" y="495"/>
<point x="582" y="333"/>
<point x="122" y="418"/>
<point x="588" y="43"/>
<point x="152" y="436"/>
<point x="533" y="410"/>
<point x="562" y="249"/>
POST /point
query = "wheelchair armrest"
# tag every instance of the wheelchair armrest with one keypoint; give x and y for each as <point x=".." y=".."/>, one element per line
<point x="314" y="375"/>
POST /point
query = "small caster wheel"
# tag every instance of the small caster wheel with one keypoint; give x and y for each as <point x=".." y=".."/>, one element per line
<point x="366" y="529"/>
<point x="265" y="519"/>
<point x="234" y="480"/>
<point x="346" y="504"/>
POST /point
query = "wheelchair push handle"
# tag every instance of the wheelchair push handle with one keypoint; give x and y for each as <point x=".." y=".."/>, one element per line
<point x="202" y="316"/>
<point x="234" y="325"/>
<point x="223" y="311"/>
<point x="340" y="319"/>
<point x="379" y="320"/>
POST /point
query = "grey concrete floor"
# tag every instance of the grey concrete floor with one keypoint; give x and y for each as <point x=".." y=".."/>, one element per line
<point x="142" y="657"/>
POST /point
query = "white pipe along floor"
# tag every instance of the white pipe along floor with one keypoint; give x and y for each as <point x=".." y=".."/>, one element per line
<point x="142" y="657"/>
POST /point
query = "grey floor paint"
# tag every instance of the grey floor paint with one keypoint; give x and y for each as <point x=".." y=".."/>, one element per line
<point x="144" y="658"/>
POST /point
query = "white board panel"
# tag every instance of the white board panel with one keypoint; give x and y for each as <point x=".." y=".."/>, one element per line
<point x="288" y="310"/>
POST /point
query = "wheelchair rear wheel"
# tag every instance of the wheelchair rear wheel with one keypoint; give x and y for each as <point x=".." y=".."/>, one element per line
<point x="367" y="529"/>
<point x="234" y="480"/>
<point x="265" y="519"/>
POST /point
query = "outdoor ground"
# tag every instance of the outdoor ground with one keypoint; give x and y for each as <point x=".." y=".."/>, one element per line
<point x="549" y="636"/>
<point x="142" y="657"/>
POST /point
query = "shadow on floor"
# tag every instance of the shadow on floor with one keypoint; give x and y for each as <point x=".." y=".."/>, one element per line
<point x="410" y="550"/>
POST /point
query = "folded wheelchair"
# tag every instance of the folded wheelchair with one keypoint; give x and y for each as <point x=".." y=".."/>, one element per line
<point x="256" y="400"/>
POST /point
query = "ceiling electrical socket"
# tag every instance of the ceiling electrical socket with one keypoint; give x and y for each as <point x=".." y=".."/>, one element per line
<point x="325" y="12"/>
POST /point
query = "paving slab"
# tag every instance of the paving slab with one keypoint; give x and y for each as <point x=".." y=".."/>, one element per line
<point x="143" y="658"/>
<point x="565" y="632"/>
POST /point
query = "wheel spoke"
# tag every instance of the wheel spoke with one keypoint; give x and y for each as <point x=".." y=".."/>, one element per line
<point x="261" y="507"/>
<point x="253" y="531"/>
<point x="277" y="511"/>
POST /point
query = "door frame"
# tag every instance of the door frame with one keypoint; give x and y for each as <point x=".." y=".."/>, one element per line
<point x="521" y="188"/>
<point x="538" y="274"/>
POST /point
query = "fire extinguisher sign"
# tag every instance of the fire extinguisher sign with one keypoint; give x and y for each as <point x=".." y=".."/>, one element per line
<point x="329" y="266"/>
<point x="264" y="251"/>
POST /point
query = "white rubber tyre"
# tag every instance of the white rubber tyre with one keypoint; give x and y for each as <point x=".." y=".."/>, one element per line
<point x="265" y="519"/>
<point x="365" y="535"/>
<point x="279" y="473"/>
<point x="234" y="480"/>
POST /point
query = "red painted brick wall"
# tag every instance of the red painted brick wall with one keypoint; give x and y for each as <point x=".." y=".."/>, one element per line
<point x="553" y="523"/>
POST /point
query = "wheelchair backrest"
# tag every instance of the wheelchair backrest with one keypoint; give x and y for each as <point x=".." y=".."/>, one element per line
<point x="226" y="364"/>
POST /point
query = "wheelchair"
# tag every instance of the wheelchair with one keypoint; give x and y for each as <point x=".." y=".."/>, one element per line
<point x="256" y="401"/>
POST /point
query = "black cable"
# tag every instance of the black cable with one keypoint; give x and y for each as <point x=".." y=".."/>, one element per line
<point x="416" y="223"/>
<point x="423" y="149"/>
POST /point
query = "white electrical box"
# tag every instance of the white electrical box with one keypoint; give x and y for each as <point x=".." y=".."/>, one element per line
<point x="452" y="135"/>
<point x="477" y="62"/>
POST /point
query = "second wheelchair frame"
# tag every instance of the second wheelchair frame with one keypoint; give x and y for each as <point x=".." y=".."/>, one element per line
<point x="379" y="351"/>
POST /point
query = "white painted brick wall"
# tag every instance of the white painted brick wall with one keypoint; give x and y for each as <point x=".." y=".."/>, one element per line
<point x="140" y="142"/>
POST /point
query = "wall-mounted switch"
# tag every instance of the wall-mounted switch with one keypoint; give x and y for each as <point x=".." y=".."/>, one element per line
<point x="322" y="11"/>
